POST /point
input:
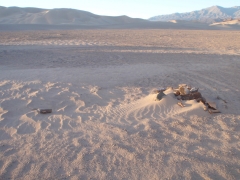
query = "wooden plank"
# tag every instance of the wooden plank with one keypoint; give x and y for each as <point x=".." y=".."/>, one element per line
<point x="212" y="105"/>
<point x="211" y="111"/>
<point x="45" y="111"/>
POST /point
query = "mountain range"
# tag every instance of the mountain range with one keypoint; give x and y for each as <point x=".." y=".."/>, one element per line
<point x="207" y="15"/>
<point x="64" y="16"/>
<point x="17" y="15"/>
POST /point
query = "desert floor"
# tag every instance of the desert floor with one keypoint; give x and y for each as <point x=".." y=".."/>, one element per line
<point x="105" y="123"/>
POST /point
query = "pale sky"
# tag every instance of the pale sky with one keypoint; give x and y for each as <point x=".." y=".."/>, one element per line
<point x="133" y="8"/>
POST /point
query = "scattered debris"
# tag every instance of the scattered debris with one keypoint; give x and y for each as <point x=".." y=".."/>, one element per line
<point x="205" y="108"/>
<point x="193" y="90"/>
<point x="202" y="100"/>
<point x="213" y="111"/>
<point x="212" y="105"/>
<point x="191" y="96"/>
<point x="183" y="89"/>
<point x="185" y="92"/>
<point x="181" y="104"/>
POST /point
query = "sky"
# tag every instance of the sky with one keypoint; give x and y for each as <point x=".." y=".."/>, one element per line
<point x="132" y="8"/>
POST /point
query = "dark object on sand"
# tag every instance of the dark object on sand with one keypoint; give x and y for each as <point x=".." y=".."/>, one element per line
<point x="212" y="107"/>
<point x="160" y="95"/>
<point x="191" y="96"/>
<point x="202" y="100"/>
<point x="213" y="111"/>
<point x="177" y="93"/>
<point x="45" y="111"/>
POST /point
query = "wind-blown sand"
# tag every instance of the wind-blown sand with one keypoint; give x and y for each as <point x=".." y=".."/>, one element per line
<point x="229" y="22"/>
<point x="105" y="123"/>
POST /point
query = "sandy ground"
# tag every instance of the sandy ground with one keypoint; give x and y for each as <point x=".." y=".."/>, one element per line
<point x="105" y="123"/>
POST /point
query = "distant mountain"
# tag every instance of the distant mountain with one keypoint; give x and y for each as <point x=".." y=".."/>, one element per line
<point x="208" y="15"/>
<point x="17" y="15"/>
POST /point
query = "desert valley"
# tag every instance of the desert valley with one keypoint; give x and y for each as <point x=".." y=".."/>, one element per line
<point x="99" y="80"/>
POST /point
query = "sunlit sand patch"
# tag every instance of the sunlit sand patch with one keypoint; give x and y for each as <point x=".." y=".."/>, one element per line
<point x="105" y="123"/>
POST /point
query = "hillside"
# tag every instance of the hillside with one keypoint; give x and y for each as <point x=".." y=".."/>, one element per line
<point x="208" y="15"/>
<point x="17" y="15"/>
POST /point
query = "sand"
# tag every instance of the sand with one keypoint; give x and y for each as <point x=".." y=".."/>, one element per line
<point x="105" y="122"/>
<point x="229" y="22"/>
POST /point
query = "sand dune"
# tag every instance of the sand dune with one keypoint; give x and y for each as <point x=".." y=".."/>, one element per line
<point x="105" y="122"/>
<point x="228" y="24"/>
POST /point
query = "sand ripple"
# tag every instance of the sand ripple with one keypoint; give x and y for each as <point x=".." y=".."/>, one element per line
<point x="86" y="134"/>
